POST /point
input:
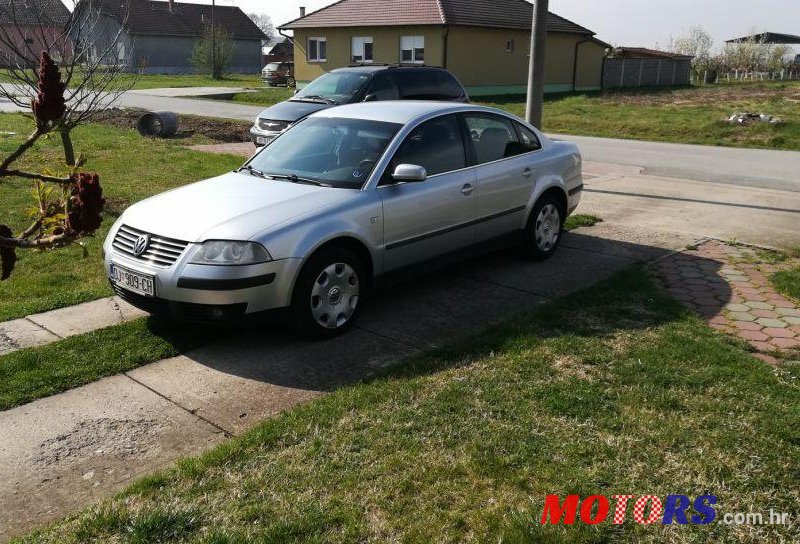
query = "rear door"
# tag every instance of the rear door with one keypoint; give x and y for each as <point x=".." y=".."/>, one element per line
<point x="505" y="172"/>
<point x="426" y="219"/>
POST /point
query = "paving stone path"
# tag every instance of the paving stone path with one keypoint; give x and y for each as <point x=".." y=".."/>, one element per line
<point x="729" y="286"/>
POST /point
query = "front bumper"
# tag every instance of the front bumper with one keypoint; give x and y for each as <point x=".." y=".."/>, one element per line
<point x="209" y="293"/>
<point x="262" y="137"/>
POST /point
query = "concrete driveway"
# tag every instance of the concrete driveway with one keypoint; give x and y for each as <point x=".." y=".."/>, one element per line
<point x="61" y="453"/>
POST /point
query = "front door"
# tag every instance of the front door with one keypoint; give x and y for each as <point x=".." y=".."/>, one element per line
<point x="434" y="217"/>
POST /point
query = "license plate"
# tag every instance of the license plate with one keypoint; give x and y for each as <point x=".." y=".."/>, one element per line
<point x="263" y="140"/>
<point x="133" y="281"/>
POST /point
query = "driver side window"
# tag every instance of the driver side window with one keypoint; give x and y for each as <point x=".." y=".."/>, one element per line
<point x="436" y="145"/>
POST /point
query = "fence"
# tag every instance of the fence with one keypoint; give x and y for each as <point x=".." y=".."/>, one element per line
<point x="619" y="73"/>
<point x="747" y="75"/>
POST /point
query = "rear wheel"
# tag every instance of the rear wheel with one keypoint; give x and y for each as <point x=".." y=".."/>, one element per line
<point x="543" y="231"/>
<point x="329" y="293"/>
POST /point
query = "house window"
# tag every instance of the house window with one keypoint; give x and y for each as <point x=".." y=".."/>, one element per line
<point x="317" y="49"/>
<point x="510" y="46"/>
<point x="412" y="49"/>
<point x="362" y="49"/>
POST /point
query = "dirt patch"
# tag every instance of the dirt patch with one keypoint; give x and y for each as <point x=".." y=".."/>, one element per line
<point x="124" y="438"/>
<point x="218" y="130"/>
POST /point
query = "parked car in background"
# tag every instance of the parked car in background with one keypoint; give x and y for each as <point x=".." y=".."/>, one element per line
<point x="344" y="196"/>
<point x="278" y="73"/>
<point x="358" y="84"/>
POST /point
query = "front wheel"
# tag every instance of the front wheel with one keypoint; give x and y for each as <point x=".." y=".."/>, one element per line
<point x="290" y="82"/>
<point x="328" y="294"/>
<point x="543" y="231"/>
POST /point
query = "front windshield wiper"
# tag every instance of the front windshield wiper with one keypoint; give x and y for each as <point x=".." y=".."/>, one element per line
<point x="317" y="97"/>
<point x="294" y="178"/>
<point x="253" y="171"/>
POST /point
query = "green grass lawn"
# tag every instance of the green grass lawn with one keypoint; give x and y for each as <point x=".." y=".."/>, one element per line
<point x="264" y="97"/>
<point x="130" y="167"/>
<point x="690" y="115"/>
<point x="34" y="373"/>
<point x="787" y="282"/>
<point x="155" y="81"/>
<point x="613" y="390"/>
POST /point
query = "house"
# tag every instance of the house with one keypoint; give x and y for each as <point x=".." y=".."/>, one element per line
<point x="486" y="44"/>
<point x="282" y="51"/>
<point x="27" y="27"/>
<point x="643" y="67"/>
<point x="159" y="37"/>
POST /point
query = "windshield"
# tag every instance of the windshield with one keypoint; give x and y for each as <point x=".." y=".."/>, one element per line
<point x="341" y="87"/>
<point x="338" y="152"/>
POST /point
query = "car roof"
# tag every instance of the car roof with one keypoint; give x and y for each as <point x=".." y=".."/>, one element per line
<point x="369" y="68"/>
<point x="398" y="111"/>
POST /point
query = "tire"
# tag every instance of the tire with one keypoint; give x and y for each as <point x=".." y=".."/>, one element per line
<point x="290" y="82"/>
<point x="544" y="229"/>
<point x="329" y="294"/>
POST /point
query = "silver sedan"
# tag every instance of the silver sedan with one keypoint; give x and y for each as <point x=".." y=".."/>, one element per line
<point x="346" y="195"/>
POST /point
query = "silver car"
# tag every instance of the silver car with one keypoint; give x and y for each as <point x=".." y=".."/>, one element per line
<point x="344" y="196"/>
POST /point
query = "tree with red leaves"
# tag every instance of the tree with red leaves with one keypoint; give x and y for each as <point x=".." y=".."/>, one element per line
<point x="76" y="210"/>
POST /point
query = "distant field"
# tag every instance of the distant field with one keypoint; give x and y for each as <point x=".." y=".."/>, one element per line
<point x="693" y="115"/>
<point x="154" y="81"/>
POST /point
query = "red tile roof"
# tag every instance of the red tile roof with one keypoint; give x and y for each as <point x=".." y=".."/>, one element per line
<point x="514" y="14"/>
<point x="645" y="53"/>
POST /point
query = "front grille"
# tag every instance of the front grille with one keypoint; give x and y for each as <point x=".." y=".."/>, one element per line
<point x="272" y="126"/>
<point x="161" y="252"/>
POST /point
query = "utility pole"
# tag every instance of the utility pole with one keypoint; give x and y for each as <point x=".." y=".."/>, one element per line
<point x="533" y="111"/>
<point x="213" y="42"/>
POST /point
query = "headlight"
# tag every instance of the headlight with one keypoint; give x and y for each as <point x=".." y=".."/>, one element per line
<point x="231" y="253"/>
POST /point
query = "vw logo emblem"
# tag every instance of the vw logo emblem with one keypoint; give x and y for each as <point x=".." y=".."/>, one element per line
<point x="140" y="245"/>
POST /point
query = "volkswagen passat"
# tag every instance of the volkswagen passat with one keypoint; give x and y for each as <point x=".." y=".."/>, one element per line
<point x="344" y="196"/>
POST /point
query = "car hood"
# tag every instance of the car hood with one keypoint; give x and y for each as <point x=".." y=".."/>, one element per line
<point x="292" y="111"/>
<point x="229" y="207"/>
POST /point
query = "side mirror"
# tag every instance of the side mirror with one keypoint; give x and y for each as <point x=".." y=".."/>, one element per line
<point x="409" y="172"/>
<point x="371" y="98"/>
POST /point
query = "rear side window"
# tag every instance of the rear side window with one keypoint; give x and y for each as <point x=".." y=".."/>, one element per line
<point x="436" y="145"/>
<point x="428" y="85"/>
<point x="492" y="137"/>
<point x="384" y="88"/>
<point x="529" y="139"/>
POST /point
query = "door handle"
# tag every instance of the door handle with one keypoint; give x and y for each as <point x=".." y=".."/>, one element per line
<point x="468" y="189"/>
<point x="527" y="172"/>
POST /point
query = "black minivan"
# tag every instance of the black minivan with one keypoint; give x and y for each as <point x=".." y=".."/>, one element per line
<point x="358" y="84"/>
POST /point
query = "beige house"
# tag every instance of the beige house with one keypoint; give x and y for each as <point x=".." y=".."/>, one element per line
<point x="485" y="43"/>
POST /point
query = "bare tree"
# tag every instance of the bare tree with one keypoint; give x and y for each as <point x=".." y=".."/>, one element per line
<point x="66" y="68"/>
<point x="264" y="22"/>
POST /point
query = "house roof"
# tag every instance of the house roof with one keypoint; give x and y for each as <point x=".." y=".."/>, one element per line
<point x="514" y="14"/>
<point x="34" y="12"/>
<point x="645" y="53"/>
<point x="154" y="18"/>
<point x="768" y="37"/>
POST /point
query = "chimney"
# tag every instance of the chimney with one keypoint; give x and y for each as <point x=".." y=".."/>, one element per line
<point x="302" y="11"/>
<point x="172" y="5"/>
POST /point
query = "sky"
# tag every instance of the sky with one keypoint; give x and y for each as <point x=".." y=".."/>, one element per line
<point x="635" y="23"/>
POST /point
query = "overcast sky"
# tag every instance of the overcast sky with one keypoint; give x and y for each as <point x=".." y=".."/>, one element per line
<point x="624" y="22"/>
